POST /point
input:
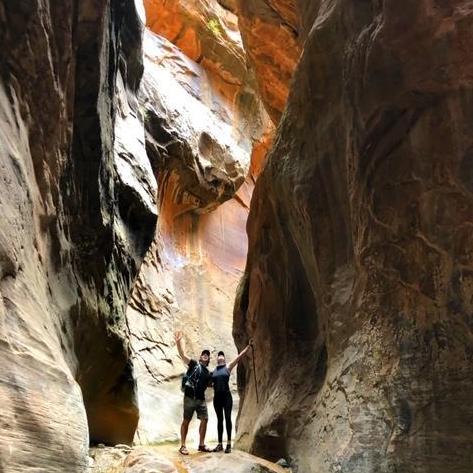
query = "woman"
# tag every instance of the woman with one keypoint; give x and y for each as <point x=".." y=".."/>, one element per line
<point x="223" y="401"/>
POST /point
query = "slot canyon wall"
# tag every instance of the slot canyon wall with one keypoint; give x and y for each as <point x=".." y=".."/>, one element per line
<point x="78" y="211"/>
<point x="270" y="30"/>
<point x="358" y="283"/>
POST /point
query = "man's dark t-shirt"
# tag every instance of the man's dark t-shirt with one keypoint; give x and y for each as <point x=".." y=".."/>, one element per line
<point x="200" y="378"/>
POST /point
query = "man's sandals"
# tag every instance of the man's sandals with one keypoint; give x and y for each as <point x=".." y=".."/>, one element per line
<point x="183" y="450"/>
<point x="203" y="448"/>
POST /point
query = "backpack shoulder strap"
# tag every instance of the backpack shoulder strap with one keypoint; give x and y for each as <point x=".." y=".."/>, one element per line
<point x="197" y="368"/>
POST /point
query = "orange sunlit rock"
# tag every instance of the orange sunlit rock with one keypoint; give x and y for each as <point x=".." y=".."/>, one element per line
<point x="207" y="33"/>
<point x="260" y="151"/>
<point x="269" y="29"/>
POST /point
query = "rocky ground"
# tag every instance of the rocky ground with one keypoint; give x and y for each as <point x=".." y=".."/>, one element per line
<point x="166" y="459"/>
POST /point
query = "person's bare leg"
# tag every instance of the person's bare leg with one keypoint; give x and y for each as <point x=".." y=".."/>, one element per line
<point x="184" y="430"/>
<point x="202" y="431"/>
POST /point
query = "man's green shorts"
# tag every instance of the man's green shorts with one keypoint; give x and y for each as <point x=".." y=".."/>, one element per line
<point x="197" y="405"/>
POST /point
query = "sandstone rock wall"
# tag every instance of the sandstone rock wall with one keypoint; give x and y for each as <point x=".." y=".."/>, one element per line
<point x="357" y="286"/>
<point x="271" y="37"/>
<point x="77" y="218"/>
<point x="206" y="31"/>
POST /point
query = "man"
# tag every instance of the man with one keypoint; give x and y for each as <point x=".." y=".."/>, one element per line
<point x="198" y="378"/>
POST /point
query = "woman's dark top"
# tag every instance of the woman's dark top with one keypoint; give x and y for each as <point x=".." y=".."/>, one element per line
<point x="220" y="379"/>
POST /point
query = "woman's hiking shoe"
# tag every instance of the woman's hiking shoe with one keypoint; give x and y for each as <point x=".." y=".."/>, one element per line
<point x="218" y="448"/>
<point x="228" y="448"/>
<point x="203" y="448"/>
<point x="183" y="450"/>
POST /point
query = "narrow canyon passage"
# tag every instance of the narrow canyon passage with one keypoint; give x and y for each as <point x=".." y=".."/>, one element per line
<point x="293" y="172"/>
<point x="206" y="136"/>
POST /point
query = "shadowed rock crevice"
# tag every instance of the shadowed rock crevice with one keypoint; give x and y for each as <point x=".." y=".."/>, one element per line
<point x="290" y="351"/>
<point x="111" y="204"/>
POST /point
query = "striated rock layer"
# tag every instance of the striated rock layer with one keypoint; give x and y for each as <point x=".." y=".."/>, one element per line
<point x="78" y="214"/>
<point x="358" y="283"/>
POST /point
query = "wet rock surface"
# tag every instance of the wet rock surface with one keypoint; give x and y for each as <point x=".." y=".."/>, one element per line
<point x="356" y="289"/>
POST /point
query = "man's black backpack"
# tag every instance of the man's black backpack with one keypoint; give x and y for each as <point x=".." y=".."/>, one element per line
<point x="189" y="380"/>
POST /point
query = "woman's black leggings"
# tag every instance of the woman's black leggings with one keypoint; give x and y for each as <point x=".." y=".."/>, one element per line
<point x="223" y="403"/>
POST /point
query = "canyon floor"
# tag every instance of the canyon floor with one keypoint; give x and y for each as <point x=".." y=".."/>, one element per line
<point x="165" y="458"/>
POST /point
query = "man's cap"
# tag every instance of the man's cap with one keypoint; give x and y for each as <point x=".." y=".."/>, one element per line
<point x="205" y="352"/>
<point x="221" y="353"/>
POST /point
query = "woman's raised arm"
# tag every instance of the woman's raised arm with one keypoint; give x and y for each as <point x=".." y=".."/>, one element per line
<point x="233" y="363"/>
